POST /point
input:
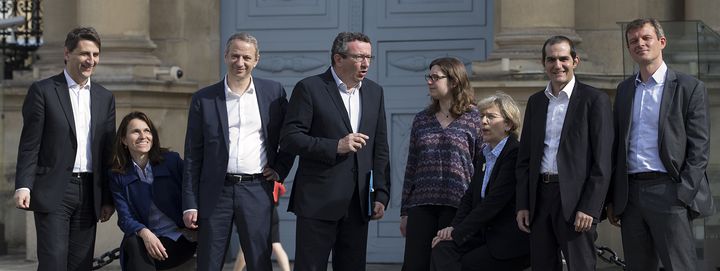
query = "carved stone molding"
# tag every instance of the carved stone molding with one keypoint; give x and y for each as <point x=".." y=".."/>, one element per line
<point x="526" y="43"/>
<point x="298" y="64"/>
<point x="419" y="63"/>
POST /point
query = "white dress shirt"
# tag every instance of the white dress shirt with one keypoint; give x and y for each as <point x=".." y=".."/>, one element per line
<point x="247" y="143"/>
<point x="643" y="149"/>
<point x="351" y="99"/>
<point x="80" y="100"/>
<point x="557" y="108"/>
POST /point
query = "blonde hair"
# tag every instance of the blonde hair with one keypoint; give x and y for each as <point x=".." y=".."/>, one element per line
<point x="508" y="108"/>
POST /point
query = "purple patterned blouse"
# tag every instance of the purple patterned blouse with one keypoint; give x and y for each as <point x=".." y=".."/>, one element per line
<point x="440" y="162"/>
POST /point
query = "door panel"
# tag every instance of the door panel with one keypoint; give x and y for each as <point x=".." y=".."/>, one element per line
<point x="295" y="37"/>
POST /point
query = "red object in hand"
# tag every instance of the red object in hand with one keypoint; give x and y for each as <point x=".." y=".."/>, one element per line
<point x="278" y="191"/>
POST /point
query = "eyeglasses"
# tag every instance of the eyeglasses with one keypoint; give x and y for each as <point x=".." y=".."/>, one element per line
<point x="358" y="58"/>
<point x="491" y="116"/>
<point x="434" y="77"/>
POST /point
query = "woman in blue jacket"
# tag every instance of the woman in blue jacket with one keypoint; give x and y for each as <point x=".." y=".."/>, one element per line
<point x="146" y="183"/>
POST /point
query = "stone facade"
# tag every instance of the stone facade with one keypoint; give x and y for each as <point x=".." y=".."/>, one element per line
<point x="142" y="39"/>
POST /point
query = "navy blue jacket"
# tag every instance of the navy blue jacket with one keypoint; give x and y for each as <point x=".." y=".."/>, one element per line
<point x="207" y="142"/>
<point x="133" y="196"/>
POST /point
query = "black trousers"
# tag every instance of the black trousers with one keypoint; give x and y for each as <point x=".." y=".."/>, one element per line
<point x="472" y="255"/>
<point x="136" y="258"/>
<point x="66" y="235"/>
<point x="346" y="238"/>
<point x="423" y="223"/>
<point x="655" y="225"/>
<point x="249" y="205"/>
<point x="551" y="233"/>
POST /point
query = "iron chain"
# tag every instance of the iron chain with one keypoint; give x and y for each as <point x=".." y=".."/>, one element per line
<point x="106" y="258"/>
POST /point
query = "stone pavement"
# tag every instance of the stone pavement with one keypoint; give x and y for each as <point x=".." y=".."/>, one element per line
<point x="15" y="261"/>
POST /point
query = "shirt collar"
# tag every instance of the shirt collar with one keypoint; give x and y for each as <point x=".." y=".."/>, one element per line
<point x="658" y="76"/>
<point x="229" y="94"/>
<point x="339" y="83"/>
<point x="567" y="89"/>
<point x="148" y="168"/>
<point x="497" y="150"/>
<point x="72" y="84"/>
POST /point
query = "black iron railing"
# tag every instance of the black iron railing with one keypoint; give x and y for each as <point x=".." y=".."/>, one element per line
<point x="19" y="43"/>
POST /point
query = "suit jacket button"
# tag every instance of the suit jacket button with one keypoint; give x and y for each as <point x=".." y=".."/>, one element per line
<point x="354" y="170"/>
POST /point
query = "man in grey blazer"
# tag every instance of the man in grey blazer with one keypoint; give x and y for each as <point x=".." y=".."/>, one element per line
<point x="661" y="152"/>
<point x="63" y="156"/>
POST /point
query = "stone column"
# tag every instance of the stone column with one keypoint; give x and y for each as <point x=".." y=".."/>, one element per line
<point x="58" y="18"/>
<point x="124" y="28"/>
<point x="130" y="67"/>
<point x="523" y="25"/>
<point x="704" y="10"/>
<point x="521" y="28"/>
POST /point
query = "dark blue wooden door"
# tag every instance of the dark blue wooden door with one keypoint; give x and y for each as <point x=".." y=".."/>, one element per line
<point x="295" y="38"/>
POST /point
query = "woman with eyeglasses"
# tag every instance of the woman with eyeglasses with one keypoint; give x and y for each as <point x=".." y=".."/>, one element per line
<point x="484" y="235"/>
<point x="445" y="142"/>
<point x="146" y="184"/>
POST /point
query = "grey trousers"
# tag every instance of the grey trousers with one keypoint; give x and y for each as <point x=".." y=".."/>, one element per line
<point x="655" y="225"/>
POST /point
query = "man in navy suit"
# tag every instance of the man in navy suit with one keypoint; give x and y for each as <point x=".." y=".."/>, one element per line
<point x="662" y="147"/>
<point x="563" y="167"/>
<point x="336" y="124"/>
<point x="232" y="159"/>
<point x="64" y="152"/>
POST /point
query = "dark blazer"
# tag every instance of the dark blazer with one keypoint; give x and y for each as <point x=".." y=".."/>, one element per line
<point x="683" y="138"/>
<point x="493" y="217"/>
<point x="316" y="120"/>
<point x="133" y="196"/>
<point x="207" y="141"/>
<point x="48" y="143"/>
<point x="584" y="152"/>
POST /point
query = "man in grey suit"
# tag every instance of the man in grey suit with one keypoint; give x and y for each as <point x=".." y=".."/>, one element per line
<point x="661" y="151"/>
<point x="64" y="152"/>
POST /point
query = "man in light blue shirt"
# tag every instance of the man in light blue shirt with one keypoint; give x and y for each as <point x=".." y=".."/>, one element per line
<point x="661" y="152"/>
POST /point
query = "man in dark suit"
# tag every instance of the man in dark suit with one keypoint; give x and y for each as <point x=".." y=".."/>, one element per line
<point x="232" y="159"/>
<point x="661" y="152"/>
<point x="63" y="157"/>
<point x="336" y="124"/>
<point x="563" y="168"/>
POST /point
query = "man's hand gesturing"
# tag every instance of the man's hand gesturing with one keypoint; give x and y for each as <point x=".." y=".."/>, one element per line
<point x="351" y="143"/>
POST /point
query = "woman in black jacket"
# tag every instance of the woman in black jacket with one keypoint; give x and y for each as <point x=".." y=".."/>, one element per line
<point x="484" y="235"/>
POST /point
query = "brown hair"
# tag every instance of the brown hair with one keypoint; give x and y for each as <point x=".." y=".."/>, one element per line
<point x="121" y="155"/>
<point x="459" y="84"/>
<point x="555" y="40"/>
<point x="339" y="45"/>
<point x="81" y="33"/>
<point x="640" y="23"/>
